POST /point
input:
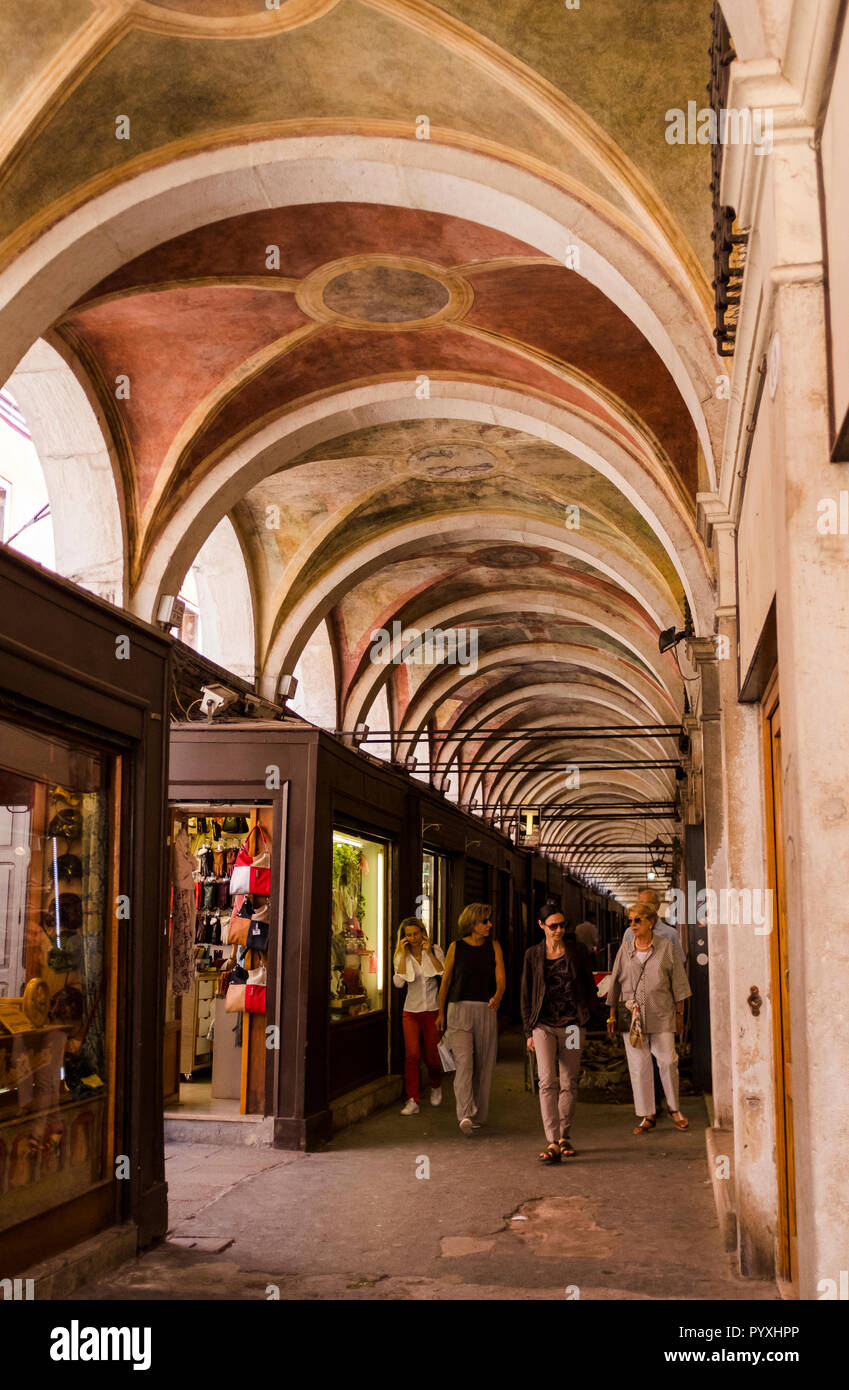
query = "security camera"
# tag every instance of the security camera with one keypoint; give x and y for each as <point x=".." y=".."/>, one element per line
<point x="669" y="638"/>
<point x="216" y="698"/>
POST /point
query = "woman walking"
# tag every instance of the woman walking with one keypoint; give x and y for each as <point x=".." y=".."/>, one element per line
<point x="648" y="974"/>
<point x="473" y="983"/>
<point x="556" y="1002"/>
<point x="418" y="965"/>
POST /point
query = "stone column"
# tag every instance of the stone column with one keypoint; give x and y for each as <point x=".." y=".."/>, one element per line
<point x="746" y="923"/>
<point x="702" y="651"/>
<point x="812" y="607"/>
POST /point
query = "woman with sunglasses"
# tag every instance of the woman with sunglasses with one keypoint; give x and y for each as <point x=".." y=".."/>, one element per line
<point x="473" y="982"/>
<point x="648" y="975"/>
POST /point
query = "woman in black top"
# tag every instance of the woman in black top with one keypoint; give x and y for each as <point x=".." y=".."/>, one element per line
<point x="473" y="982"/>
<point x="556" y="1001"/>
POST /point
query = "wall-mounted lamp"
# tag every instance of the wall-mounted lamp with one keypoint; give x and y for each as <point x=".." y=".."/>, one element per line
<point x="288" y="687"/>
<point x="171" y="612"/>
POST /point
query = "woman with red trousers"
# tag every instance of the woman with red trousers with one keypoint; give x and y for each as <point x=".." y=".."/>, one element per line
<point x="418" y="965"/>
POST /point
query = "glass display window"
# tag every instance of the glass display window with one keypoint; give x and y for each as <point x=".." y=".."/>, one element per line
<point x="56" y="1006"/>
<point x="358" y="926"/>
<point x="434" y="896"/>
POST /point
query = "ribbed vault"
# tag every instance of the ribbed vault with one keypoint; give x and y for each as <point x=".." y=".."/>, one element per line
<point x="412" y="299"/>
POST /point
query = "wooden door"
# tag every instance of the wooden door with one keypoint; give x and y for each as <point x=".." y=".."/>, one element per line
<point x="780" y="991"/>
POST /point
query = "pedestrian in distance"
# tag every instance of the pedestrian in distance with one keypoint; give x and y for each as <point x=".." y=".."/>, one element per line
<point x="418" y="965"/>
<point x="473" y="984"/>
<point x="557" y="995"/>
<point x="649" y="976"/>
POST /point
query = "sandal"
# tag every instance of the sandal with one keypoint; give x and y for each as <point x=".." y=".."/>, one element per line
<point x="551" y="1154"/>
<point x="645" y="1125"/>
<point x="683" y="1123"/>
<point x="565" y="1146"/>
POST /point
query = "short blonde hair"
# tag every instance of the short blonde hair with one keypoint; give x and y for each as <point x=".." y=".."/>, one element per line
<point x="644" y="910"/>
<point x="472" y="916"/>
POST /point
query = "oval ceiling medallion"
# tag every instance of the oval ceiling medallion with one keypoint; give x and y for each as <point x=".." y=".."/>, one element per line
<point x="453" y="463"/>
<point x="507" y="557"/>
<point x="383" y="293"/>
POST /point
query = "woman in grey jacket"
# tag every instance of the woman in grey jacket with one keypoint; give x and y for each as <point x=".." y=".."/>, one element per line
<point x="649" y="976"/>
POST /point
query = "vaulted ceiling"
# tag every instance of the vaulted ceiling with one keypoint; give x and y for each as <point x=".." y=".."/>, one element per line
<point x="416" y="295"/>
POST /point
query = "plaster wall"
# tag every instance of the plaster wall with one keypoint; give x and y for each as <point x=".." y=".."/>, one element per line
<point x="756" y="544"/>
<point x="835" y="176"/>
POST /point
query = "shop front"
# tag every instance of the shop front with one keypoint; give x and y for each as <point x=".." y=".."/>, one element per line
<point x="83" y="691"/>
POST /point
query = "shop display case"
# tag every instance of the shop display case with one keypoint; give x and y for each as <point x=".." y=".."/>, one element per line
<point x="82" y="911"/>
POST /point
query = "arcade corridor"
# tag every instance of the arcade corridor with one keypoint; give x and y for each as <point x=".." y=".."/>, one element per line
<point x="423" y="434"/>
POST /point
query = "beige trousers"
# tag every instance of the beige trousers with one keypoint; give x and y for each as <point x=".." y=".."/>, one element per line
<point x="557" y="1098"/>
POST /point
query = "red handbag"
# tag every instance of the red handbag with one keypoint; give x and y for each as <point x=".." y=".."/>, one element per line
<point x="251" y="873"/>
<point x="255" y="999"/>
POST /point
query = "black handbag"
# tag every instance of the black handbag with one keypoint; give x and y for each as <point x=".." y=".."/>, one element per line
<point x="69" y="866"/>
<point x="257" y="936"/>
<point x="68" y="907"/>
<point x="239" y="975"/>
<point x="67" y="824"/>
<point x="247" y="907"/>
<point x="235" y="825"/>
<point x="623" y="1018"/>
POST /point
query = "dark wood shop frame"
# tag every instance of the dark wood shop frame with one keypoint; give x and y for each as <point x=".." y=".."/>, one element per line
<point x="60" y="672"/>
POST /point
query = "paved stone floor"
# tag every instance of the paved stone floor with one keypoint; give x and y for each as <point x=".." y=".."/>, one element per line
<point x="629" y="1218"/>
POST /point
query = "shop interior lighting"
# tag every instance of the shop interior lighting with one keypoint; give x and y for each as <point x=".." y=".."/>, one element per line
<point x="340" y="839"/>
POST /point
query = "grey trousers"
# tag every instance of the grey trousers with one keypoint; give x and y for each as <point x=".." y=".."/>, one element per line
<point x="557" y="1099"/>
<point x="473" y="1037"/>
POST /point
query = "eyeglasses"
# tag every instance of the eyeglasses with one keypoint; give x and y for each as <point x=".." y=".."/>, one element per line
<point x="636" y="919"/>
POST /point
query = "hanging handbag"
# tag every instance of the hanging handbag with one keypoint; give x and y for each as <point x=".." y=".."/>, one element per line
<point x="68" y="910"/>
<point x="251" y="873"/>
<point x="258" y="976"/>
<point x="257" y="936"/>
<point x="235" y="825"/>
<point x="623" y="1017"/>
<point x="240" y="975"/>
<point x="259" y="911"/>
<point x="67" y="824"/>
<point x="255" y="999"/>
<point x="237" y="931"/>
<point x="234" y="1000"/>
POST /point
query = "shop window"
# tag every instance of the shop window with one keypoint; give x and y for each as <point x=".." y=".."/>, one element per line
<point x="358" y="930"/>
<point x="434" y="897"/>
<point x="56" y="1004"/>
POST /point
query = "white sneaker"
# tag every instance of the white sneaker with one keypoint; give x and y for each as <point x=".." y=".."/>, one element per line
<point x="411" y="1108"/>
<point x="436" y="1095"/>
<point x="466" y="1126"/>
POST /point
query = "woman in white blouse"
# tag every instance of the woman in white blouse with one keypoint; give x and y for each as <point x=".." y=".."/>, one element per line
<point x="418" y="965"/>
